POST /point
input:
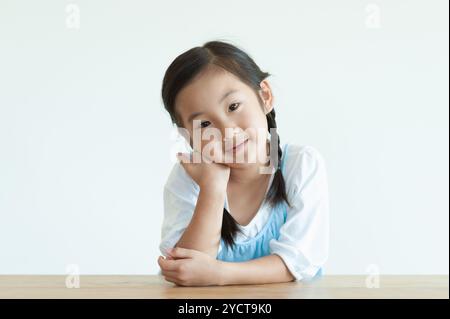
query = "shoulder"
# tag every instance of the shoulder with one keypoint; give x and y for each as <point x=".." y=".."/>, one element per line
<point x="179" y="182"/>
<point x="302" y="163"/>
<point x="296" y="153"/>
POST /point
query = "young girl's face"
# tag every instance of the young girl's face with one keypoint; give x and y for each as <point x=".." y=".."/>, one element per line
<point x="217" y="101"/>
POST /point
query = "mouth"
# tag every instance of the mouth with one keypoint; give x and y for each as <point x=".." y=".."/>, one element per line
<point x="238" y="147"/>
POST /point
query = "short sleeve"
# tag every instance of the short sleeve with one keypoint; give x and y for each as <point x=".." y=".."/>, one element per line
<point x="180" y="198"/>
<point x="304" y="237"/>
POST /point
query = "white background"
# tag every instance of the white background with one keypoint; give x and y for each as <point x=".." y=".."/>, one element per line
<point x="85" y="141"/>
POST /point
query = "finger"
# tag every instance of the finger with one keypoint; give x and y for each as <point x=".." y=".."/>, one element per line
<point x="167" y="253"/>
<point x="179" y="252"/>
<point x="170" y="257"/>
<point x="184" y="157"/>
<point x="171" y="279"/>
<point x="205" y="157"/>
<point x="160" y="259"/>
<point x="170" y="273"/>
<point x="167" y="264"/>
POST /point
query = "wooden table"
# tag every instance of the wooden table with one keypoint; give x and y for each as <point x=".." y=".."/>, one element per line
<point x="154" y="286"/>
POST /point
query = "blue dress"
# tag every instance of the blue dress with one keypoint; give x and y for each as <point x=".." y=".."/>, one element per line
<point x="258" y="246"/>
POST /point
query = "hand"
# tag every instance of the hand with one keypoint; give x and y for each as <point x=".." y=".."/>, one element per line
<point x="188" y="267"/>
<point x="206" y="173"/>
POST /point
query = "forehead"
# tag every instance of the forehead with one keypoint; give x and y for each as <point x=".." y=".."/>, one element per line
<point x="205" y="90"/>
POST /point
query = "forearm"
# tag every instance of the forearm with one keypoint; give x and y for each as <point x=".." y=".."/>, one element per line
<point x="204" y="230"/>
<point x="267" y="269"/>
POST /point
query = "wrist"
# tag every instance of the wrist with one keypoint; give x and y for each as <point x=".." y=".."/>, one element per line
<point x="214" y="188"/>
<point x="222" y="278"/>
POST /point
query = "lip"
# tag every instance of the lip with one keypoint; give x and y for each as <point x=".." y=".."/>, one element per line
<point x="238" y="147"/>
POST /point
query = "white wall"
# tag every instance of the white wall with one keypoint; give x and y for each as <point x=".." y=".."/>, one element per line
<point x="85" y="140"/>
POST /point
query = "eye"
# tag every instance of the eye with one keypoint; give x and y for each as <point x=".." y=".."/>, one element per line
<point x="204" y="124"/>
<point x="234" y="106"/>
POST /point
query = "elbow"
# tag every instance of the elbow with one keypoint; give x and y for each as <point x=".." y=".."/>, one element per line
<point x="289" y="276"/>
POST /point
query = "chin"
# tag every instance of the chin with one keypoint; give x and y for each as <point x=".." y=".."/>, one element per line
<point x="251" y="151"/>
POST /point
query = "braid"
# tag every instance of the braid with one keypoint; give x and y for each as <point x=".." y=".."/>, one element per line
<point x="229" y="228"/>
<point x="272" y="124"/>
<point x="277" y="191"/>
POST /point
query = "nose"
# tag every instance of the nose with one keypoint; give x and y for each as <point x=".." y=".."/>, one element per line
<point x="232" y="134"/>
<point x="237" y="137"/>
<point x="228" y="129"/>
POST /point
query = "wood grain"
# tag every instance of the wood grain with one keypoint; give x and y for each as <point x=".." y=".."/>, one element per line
<point x="154" y="286"/>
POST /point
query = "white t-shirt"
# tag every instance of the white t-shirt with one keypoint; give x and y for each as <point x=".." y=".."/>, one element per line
<point x="304" y="237"/>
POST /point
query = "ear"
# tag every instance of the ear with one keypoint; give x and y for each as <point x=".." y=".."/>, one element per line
<point x="266" y="96"/>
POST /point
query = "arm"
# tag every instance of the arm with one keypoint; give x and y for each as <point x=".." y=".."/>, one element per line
<point x="204" y="230"/>
<point x="267" y="269"/>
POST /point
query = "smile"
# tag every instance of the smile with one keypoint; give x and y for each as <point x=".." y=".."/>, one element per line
<point x="239" y="147"/>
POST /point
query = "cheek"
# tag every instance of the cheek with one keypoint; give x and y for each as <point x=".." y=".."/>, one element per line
<point x="253" y="116"/>
<point x="257" y="131"/>
<point x="255" y="127"/>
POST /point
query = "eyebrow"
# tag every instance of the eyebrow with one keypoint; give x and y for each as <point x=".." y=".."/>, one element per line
<point x="191" y="117"/>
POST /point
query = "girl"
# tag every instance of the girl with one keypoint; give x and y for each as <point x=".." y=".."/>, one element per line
<point x="226" y="222"/>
